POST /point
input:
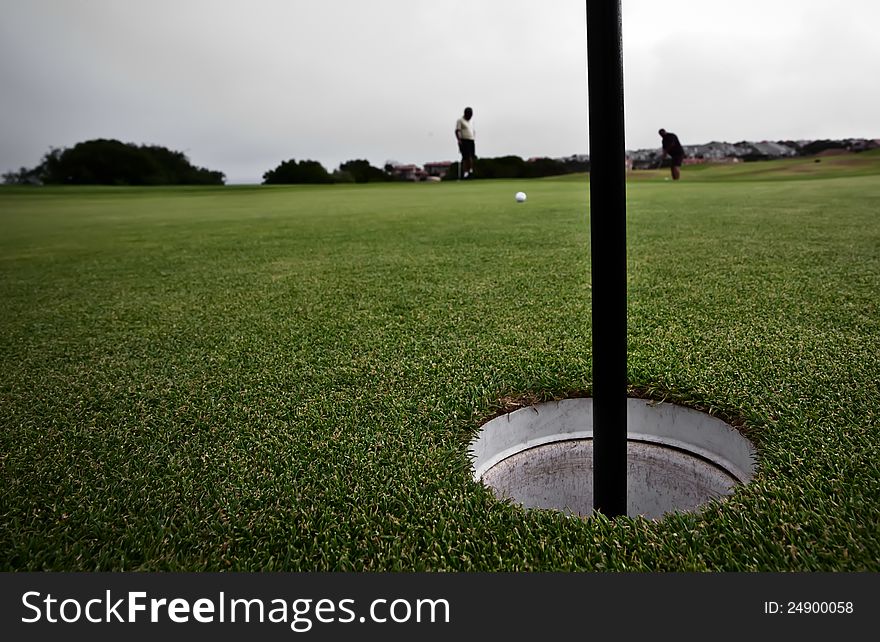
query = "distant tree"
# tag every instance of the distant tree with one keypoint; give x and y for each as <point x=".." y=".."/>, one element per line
<point x="575" y="166"/>
<point x="23" y="176"/>
<point x="818" y="146"/>
<point x="291" y="171"/>
<point x="363" y="172"/>
<point x="452" y="172"/>
<point x="340" y="176"/>
<point x="544" y="167"/>
<point x="175" y="168"/>
<point x="101" y="162"/>
<point x="110" y="162"/>
<point x="501" y="167"/>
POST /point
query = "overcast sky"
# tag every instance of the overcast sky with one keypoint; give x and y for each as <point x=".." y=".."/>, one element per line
<point x="241" y="85"/>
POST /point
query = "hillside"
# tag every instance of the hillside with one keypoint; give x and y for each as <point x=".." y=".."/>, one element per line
<point x="822" y="166"/>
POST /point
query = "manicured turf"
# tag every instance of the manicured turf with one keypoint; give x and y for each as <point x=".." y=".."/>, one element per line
<point x="287" y="378"/>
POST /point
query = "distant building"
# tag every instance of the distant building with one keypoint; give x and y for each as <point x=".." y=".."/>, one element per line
<point x="575" y="158"/>
<point x="774" y="150"/>
<point x="438" y="169"/>
<point x="864" y="145"/>
<point x="408" y="172"/>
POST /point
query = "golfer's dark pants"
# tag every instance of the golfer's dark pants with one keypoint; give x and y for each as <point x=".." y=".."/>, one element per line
<point x="467" y="149"/>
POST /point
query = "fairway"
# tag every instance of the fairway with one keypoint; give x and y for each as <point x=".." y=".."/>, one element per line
<point x="287" y="377"/>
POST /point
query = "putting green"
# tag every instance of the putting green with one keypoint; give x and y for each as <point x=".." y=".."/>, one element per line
<point x="288" y="378"/>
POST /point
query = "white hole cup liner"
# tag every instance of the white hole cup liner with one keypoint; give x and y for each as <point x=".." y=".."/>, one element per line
<point x="678" y="459"/>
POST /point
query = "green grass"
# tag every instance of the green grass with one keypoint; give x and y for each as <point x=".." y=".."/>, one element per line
<point x="287" y="378"/>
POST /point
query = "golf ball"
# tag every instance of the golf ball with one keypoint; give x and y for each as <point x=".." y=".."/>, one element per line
<point x="520" y="197"/>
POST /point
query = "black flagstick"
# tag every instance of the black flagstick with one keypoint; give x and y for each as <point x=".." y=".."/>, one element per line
<point x="608" y="248"/>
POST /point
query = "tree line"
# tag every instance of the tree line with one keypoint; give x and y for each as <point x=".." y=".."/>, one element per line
<point x="360" y="171"/>
<point x="111" y="162"/>
<point x="309" y="171"/>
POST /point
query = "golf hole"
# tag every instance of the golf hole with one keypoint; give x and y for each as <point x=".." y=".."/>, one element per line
<point x="678" y="459"/>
